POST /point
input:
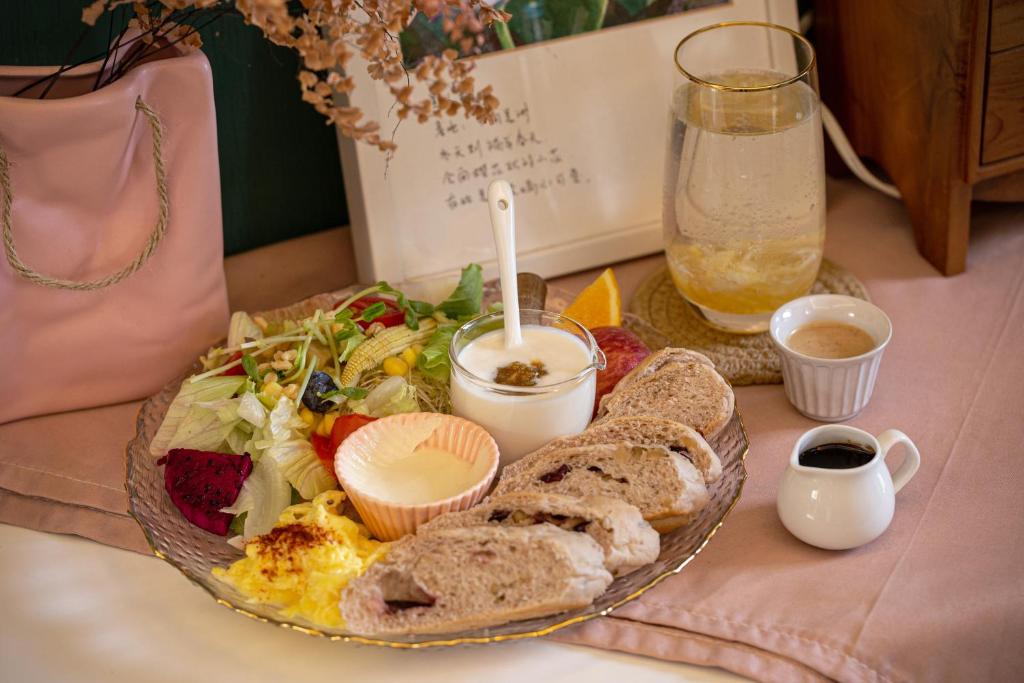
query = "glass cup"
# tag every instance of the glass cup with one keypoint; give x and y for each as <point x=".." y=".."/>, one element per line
<point x="744" y="194"/>
<point x="522" y="419"/>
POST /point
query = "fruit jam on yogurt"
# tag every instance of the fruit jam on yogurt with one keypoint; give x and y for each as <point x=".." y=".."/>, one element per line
<point x="524" y="418"/>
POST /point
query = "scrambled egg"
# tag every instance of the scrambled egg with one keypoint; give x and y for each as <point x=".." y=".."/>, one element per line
<point x="305" y="561"/>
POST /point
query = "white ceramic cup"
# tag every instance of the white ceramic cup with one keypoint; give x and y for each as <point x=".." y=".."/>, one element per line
<point x="837" y="509"/>
<point x="824" y="389"/>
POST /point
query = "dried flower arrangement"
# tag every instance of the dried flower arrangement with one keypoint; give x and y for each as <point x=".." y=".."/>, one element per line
<point x="326" y="35"/>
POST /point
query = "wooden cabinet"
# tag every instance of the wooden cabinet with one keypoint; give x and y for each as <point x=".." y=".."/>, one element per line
<point x="1003" y="130"/>
<point x="932" y="91"/>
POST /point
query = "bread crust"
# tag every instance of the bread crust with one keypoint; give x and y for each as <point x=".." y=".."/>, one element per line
<point x="660" y="358"/>
<point x="569" y="566"/>
<point x="635" y="462"/>
<point x="692" y="393"/>
<point x="645" y="430"/>
<point x="627" y="540"/>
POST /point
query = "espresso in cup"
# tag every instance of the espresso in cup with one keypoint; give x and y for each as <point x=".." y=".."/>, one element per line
<point x="830" y="339"/>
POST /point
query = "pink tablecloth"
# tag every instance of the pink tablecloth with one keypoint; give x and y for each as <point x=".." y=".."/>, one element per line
<point x="939" y="597"/>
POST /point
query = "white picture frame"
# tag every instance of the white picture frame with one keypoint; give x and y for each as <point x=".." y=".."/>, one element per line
<point x="590" y="109"/>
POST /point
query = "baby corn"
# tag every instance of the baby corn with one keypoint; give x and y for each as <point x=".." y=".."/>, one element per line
<point x="390" y="342"/>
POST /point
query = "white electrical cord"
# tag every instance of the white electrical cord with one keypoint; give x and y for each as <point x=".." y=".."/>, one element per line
<point x="840" y="141"/>
<point x="853" y="162"/>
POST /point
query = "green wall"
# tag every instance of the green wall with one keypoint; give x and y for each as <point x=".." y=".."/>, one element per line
<point x="279" y="170"/>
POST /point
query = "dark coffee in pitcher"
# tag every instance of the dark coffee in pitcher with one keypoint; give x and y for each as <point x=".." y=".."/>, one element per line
<point x="836" y="456"/>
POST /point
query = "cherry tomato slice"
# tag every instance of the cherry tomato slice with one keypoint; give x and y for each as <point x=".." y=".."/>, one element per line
<point x="391" y="317"/>
<point x="238" y="369"/>
<point x="343" y="428"/>
<point x="322" y="444"/>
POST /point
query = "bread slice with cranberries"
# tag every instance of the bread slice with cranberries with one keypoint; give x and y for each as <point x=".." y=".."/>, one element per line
<point x="643" y="430"/>
<point x="628" y="542"/>
<point x="665" y="486"/>
<point x="451" y="580"/>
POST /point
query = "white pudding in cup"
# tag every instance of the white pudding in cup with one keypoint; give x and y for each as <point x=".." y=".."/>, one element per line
<point x="558" y="357"/>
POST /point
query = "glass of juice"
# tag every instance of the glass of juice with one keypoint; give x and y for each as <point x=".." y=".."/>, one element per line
<point x="744" y="196"/>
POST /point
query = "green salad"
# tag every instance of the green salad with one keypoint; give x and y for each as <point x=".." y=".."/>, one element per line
<point x="283" y="394"/>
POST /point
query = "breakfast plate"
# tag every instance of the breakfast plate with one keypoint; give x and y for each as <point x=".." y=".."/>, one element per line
<point x="195" y="552"/>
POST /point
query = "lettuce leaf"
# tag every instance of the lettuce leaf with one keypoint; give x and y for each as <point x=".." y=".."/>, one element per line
<point x="468" y="295"/>
<point x="242" y="328"/>
<point x="238" y="437"/>
<point x="433" y="360"/>
<point x="202" y="429"/>
<point x="205" y="390"/>
<point x="283" y="438"/>
<point x="264" y="495"/>
<point x="226" y="409"/>
<point x="301" y="467"/>
<point x="392" y="396"/>
<point x="285" y="420"/>
<point x="251" y="410"/>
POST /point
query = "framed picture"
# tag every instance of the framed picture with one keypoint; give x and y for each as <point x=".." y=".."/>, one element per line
<point x="581" y="136"/>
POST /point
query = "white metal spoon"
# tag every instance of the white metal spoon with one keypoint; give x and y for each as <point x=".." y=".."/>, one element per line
<point x="503" y="224"/>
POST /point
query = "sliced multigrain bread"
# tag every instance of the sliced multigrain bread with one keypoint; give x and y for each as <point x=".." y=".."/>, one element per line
<point x="691" y="392"/>
<point x="664" y="485"/>
<point x="627" y="540"/>
<point x="660" y="358"/>
<point x="647" y="431"/>
<point x="456" y="579"/>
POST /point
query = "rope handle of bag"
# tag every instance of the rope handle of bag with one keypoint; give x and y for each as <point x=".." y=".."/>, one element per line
<point x="159" y="230"/>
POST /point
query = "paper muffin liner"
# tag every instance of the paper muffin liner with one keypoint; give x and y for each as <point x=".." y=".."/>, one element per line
<point x="390" y="521"/>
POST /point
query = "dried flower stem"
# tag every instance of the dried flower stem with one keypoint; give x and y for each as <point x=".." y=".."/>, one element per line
<point x="327" y="35"/>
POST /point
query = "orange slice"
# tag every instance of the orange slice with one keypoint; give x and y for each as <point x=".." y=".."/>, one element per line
<point x="598" y="305"/>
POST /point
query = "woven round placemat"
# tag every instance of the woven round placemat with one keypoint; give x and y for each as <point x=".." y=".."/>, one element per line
<point x="661" y="317"/>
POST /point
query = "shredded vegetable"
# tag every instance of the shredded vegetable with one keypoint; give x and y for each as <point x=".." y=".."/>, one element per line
<point x="210" y="389"/>
<point x="246" y="399"/>
<point x="264" y="495"/>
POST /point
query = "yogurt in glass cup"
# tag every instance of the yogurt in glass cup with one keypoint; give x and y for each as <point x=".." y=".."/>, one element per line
<point x="523" y="418"/>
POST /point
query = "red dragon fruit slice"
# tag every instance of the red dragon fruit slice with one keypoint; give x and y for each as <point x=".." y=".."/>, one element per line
<point x="200" y="483"/>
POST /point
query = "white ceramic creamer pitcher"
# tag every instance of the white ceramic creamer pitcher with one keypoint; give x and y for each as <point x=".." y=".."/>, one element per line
<point x="843" y="508"/>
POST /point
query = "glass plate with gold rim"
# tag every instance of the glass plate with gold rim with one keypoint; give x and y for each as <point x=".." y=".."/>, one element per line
<point x="195" y="552"/>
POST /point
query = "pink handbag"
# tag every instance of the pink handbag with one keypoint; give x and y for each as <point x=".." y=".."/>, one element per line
<point x="113" y="280"/>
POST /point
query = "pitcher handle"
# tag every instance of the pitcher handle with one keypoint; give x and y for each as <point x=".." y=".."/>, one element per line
<point x="911" y="461"/>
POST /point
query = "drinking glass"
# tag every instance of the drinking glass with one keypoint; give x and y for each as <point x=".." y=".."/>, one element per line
<point x="744" y="194"/>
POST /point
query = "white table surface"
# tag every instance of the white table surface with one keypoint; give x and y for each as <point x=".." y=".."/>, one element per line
<point x="72" y="610"/>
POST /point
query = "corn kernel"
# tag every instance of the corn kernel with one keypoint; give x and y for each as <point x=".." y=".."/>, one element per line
<point x="307" y="416"/>
<point x="417" y="348"/>
<point x="326" y="424"/>
<point x="272" y="390"/>
<point x="409" y="356"/>
<point x="394" y="366"/>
